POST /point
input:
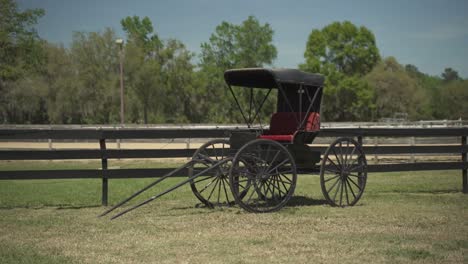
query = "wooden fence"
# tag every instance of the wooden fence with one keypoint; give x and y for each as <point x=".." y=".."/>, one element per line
<point x="103" y="154"/>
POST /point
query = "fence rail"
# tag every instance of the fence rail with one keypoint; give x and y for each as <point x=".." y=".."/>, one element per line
<point x="103" y="154"/>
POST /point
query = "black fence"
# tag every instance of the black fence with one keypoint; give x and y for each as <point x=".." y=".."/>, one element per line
<point x="103" y="154"/>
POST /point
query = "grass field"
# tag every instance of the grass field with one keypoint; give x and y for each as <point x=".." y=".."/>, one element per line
<point x="415" y="217"/>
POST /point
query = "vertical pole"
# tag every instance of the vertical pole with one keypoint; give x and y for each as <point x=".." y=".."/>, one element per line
<point x="102" y="144"/>
<point x="376" y="144"/>
<point x="412" y="142"/>
<point x="465" y="170"/>
<point x="359" y="139"/>
<point x="188" y="146"/>
<point x="122" y="116"/>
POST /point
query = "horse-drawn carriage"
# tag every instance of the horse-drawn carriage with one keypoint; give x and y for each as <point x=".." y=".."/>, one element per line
<point x="257" y="168"/>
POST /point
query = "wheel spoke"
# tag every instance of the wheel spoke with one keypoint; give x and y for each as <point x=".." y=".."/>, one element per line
<point x="336" y="166"/>
<point x="214" y="152"/>
<point x="351" y="189"/>
<point x="346" y="192"/>
<point x="337" y="189"/>
<point x="334" y="177"/>
<point x="225" y="191"/>
<point x="341" y="155"/>
<point x="333" y="186"/>
<point x="357" y="176"/>
<point x="282" y="183"/>
<point x="204" y="179"/>
<point x="337" y="159"/>
<point x="341" y="195"/>
<point x="359" y="187"/>
<point x="346" y="154"/>
<point x="279" y="187"/>
<point x="351" y="157"/>
<point x="274" y="159"/>
<point x="276" y="167"/>
<point x="214" y="187"/>
<point x="285" y="177"/>
<point x="333" y="171"/>
<point x="208" y="185"/>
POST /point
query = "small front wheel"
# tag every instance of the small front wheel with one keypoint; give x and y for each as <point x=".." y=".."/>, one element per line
<point x="343" y="172"/>
<point x="263" y="176"/>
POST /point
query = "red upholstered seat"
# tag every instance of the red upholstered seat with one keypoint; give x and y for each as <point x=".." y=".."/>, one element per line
<point x="283" y="125"/>
<point x="286" y="138"/>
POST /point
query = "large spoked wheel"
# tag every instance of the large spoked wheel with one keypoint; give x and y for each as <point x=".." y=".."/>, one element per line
<point x="343" y="172"/>
<point x="212" y="189"/>
<point x="263" y="176"/>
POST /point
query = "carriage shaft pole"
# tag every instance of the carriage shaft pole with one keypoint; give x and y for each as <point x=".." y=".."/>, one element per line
<point x="171" y="189"/>
<point x="147" y="187"/>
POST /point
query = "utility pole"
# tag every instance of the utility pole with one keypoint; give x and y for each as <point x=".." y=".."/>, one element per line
<point x="122" y="115"/>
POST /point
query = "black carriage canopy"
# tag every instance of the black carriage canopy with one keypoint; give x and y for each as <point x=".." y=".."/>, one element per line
<point x="299" y="91"/>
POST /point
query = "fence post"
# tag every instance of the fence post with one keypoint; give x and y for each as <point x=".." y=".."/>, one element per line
<point x="359" y="139"/>
<point x="188" y="146"/>
<point x="464" y="170"/>
<point x="412" y="142"/>
<point x="102" y="144"/>
<point x="376" y="144"/>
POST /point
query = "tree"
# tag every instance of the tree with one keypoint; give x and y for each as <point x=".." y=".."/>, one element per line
<point x="156" y="69"/>
<point x="453" y="98"/>
<point x="341" y="47"/>
<point x="95" y="56"/>
<point x="21" y="58"/>
<point x="233" y="46"/>
<point x="396" y="91"/>
<point x="343" y="53"/>
<point x="60" y="76"/>
<point x="20" y="45"/>
<point x="449" y="75"/>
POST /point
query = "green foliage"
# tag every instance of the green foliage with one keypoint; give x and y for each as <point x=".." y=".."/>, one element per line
<point x="343" y="53"/>
<point x="450" y="74"/>
<point x="235" y="46"/>
<point x="453" y="100"/>
<point x="20" y="45"/>
<point x="21" y="58"/>
<point x="396" y="91"/>
<point x="96" y="59"/>
<point x="156" y="69"/>
<point x="350" y="99"/>
<point x="46" y="83"/>
<point x="342" y="47"/>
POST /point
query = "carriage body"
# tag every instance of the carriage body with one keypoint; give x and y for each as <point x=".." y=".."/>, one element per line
<point x="296" y="121"/>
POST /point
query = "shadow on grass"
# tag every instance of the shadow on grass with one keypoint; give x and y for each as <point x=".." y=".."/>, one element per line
<point x="42" y="206"/>
<point x="305" y="201"/>
<point x="399" y="191"/>
<point x="293" y="202"/>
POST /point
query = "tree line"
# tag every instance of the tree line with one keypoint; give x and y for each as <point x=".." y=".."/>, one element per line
<point x="47" y="83"/>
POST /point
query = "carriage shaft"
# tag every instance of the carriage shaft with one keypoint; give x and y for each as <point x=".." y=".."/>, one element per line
<point x="172" y="188"/>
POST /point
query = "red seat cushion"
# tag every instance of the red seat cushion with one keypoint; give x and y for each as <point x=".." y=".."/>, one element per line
<point x="283" y="125"/>
<point x="287" y="138"/>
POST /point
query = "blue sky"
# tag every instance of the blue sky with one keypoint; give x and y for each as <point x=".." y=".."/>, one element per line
<point x="430" y="34"/>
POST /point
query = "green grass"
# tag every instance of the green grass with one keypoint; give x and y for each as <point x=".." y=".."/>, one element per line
<point x="415" y="217"/>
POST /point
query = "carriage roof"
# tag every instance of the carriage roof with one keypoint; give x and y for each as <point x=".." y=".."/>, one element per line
<point x="270" y="78"/>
